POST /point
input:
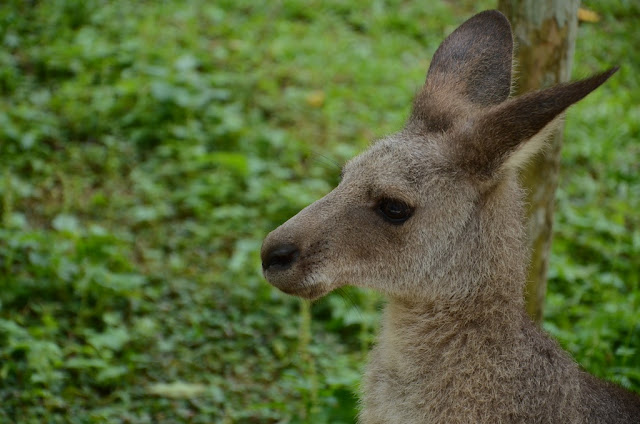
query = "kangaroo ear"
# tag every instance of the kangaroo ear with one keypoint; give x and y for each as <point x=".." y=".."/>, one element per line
<point x="507" y="135"/>
<point x="471" y="68"/>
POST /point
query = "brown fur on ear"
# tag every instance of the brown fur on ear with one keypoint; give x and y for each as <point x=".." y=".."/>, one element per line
<point x="498" y="134"/>
<point x="471" y="68"/>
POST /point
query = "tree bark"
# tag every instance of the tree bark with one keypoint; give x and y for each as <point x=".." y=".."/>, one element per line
<point x="545" y="34"/>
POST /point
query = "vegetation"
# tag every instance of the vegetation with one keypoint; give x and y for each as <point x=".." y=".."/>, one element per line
<point x="146" y="148"/>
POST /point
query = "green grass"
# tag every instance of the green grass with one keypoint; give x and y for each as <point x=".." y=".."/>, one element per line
<point x="146" y="149"/>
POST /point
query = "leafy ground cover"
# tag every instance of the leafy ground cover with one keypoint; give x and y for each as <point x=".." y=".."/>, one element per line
<point x="146" y="148"/>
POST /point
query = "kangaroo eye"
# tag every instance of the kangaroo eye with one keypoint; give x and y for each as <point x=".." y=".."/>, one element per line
<point x="395" y="211"/>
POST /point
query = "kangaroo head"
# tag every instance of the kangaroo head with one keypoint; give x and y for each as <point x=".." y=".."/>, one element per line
<point x="433" y="211"/>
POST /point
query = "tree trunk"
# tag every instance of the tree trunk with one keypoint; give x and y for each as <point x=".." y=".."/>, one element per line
<point x="545" y="34"/>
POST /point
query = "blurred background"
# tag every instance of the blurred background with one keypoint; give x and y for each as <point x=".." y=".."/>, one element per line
<point x="146" y="148"/>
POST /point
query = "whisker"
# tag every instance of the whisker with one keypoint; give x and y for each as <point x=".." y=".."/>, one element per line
<point x="348" y="298"/>
<point x="326" y="160"/>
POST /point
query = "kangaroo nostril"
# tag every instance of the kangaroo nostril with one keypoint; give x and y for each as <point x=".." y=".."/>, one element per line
<point x="282" y="257"/>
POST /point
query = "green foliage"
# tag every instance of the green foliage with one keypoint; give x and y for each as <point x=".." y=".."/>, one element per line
<point x="146" y="148"/>
<point x="594" y="289"/>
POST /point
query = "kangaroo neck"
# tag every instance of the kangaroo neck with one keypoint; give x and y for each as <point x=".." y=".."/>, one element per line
<point x="419" y="334"/>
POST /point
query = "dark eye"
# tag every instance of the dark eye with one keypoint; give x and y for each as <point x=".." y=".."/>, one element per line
<point x="394" y="211"/>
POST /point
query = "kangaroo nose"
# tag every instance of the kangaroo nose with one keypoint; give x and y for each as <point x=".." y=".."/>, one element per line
<point x="280" y="257"/>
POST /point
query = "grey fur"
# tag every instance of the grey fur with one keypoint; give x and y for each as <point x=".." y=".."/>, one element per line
<point x="456" y="345"/>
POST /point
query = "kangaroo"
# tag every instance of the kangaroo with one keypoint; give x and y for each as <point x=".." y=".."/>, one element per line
<point x="432" y="217"/>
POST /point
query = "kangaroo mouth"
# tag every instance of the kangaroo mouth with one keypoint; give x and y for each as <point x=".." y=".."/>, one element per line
<point x="294" y="282"/>
<point x="305" y="291"/>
